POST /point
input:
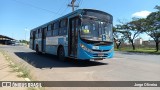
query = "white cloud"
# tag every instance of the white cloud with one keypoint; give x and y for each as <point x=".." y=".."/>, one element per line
<point x="141" y="14"/>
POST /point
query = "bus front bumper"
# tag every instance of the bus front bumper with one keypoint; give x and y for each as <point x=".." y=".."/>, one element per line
<point x="84" y="55"/>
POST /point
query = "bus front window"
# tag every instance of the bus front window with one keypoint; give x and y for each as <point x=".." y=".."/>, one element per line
<point x="96" y="30"/>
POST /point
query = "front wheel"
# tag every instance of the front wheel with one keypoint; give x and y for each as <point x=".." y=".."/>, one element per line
<point x="61" y="54"/>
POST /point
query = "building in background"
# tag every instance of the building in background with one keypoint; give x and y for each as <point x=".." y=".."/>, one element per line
<point x="5" y="40"/>
<point x="149" y="43"/>
<point x="138" y="41"/>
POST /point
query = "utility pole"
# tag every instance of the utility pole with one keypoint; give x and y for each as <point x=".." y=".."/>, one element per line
<point x="72" y="4"/>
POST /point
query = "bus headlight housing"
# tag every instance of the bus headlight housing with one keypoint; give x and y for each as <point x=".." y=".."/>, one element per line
<point x="85" y="48"/>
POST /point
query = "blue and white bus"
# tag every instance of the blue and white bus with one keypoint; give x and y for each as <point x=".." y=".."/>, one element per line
<point x="84" y="34"/>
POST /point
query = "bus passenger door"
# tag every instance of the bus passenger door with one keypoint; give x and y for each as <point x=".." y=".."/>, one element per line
<point x="73" y="37"/>
<point x="43" y="39"/>
<point x="33" y="40"/>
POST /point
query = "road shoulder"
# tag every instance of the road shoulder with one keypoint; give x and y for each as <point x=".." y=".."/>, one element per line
<point x="7" y="74"/>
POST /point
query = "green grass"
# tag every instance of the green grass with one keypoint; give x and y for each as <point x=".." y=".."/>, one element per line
<point x="140" y="50"/>
<point x="25" y="71"/>
<point x="20" y="68"/>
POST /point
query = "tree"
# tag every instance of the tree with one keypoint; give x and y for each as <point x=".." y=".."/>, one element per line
<point x="153" y="27"/>
<point x="118" y="37"/>
<point x="131" y="30"/>
<point x="157" y="7"/>
<point x="24" y="41"/>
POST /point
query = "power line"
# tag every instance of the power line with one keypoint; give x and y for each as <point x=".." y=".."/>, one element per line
<point x="35" y="7"/>
<point x="81" y="2"/>
<point x="78" y="3"/>
<point x="64" y="10"/>
<point x="61" y="8"/>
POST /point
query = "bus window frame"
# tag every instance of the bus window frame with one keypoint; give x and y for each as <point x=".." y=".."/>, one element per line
<point x="63" y="27"/>
<point x="56" y="28"/>
<point x="49" y="32"/>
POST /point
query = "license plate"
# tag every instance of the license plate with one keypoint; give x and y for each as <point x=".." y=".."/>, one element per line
<point x="100" y="54"/>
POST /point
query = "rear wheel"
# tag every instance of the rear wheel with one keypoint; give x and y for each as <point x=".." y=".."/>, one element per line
<point x="37" y="50"/>
<point x="61" y="54"/>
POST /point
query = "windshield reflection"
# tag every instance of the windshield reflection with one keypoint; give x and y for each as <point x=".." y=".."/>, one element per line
<point x="96" y="30"/>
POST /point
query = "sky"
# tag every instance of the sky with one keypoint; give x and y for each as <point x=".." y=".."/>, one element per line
<point x="18" y="17"/>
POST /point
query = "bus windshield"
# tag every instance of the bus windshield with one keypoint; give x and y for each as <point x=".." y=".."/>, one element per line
<point x="96" y="30"/>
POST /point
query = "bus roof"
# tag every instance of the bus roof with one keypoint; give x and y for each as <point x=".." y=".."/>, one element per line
<point x="77" y="11"/>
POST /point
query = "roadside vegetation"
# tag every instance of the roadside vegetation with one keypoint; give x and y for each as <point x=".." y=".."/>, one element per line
<point x="20" y="68"/>
<point x="17" y="67"/>
<point x="139" y="50"/>
<point x="129" y="31"/>
<point x="24" y="41"/>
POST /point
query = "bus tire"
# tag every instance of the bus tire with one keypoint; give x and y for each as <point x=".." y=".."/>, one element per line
<point x="61" y="54"/>
<point x="37" y="49"/>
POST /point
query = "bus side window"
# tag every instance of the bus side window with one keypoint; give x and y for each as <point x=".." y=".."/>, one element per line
<point x="63" y="27"/>
<point x="45" y="31"/>
<point x="56" y="28"/>
<point x="52" y="29"/>
<point x="49" y="30"/>
<point x="37" y="33"/>
<point x="60" y="28"/>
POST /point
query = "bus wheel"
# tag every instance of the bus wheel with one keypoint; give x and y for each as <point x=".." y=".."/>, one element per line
<point x="37" y="50"/>
<point x="61" y="54"/>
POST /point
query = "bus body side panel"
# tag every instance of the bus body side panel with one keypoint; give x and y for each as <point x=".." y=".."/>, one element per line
<point x="31" y="44"/>
<point x="64" y="42"/>
<point x="52" y="44"/>
<point x="51" y="49"/>
<point x="34" y="45"/>
<point x="44" y="45"/>
<point x="38" y="42"/>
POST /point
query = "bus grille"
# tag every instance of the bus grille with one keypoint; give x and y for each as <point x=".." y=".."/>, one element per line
<point x="100" y="50"/>
<point x="96" y="55"/>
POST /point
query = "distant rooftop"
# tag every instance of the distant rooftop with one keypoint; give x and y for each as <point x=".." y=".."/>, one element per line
<point x="2" y="37"/>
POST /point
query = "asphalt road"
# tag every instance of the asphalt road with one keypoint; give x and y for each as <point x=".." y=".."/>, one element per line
<point x="123" y="67"/>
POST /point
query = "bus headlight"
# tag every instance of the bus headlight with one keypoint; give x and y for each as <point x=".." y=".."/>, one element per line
<point x="85" y="48"/>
